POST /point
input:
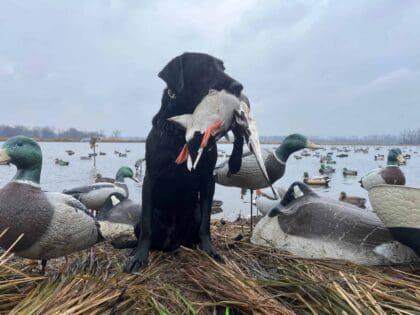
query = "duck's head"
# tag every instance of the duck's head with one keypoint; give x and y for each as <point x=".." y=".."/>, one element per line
<point x="293" y="143"/>
<point x="123" y="173"/>
<point x="25" y="154"/>
<point x="395" y="157"/>
<point x="22" y="152"/>
<point x="305" y="175"/>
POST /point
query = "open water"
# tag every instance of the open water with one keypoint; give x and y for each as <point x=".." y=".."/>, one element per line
<point x="80" y="172"/>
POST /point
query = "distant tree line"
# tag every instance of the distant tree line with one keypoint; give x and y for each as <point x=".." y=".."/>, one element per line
<point x="46" y="132"/>
<point x="409" y="136"/>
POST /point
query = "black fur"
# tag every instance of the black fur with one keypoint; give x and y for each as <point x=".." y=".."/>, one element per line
<point x="176" y="202"/>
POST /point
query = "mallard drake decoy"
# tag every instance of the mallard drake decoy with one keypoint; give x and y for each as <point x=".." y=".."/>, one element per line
<point x="100" y="179"/>
<point x="390" y="174"/>
<point x="347" y="172"/>
<point x="50" y="224"/>
<point x="342" y="155"/>
<point x="94" y="196"/>
<point x="357" y="201"/>
<point x="70" y="152"/>
<point x="326" y="169"/>
<point x="379" y="157"/>
<point x="315" y="181"/>
<point x="250" y="176"/>
<point x="61" y="162"/>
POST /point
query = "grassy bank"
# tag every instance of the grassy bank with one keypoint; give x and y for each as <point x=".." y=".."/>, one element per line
<point x="254" y="279"/>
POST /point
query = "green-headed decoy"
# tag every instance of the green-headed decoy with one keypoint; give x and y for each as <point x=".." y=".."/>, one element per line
<point x="94" y="196"/>
<point x="390" y="174"/>
<point x="49" y="224"/>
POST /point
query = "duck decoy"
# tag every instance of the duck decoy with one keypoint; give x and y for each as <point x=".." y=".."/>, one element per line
<point x="315" y="181"/>
<point x="347" y="172"/>
<point x="326" y="169"/>
<point x="94" y="196"/>
<point x="100" y="179"/>
<point x="84" y="158"/>
<point x="70" y="152"/>
<point x="390" y="174"/>
<point x="49" y="224"/>
<point x="353" y="200"/>
<point x="342" y="155"/>
<point x="250" y="176"/>
<point x="61" y="162"/>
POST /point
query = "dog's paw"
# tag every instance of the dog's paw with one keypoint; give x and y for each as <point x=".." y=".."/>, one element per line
<point x="135" y="265"/>
<point x="207" y="246"/>
<point x="139" y="259"/>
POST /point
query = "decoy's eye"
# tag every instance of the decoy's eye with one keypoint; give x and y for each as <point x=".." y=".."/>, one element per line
<point x="19" y="144"/>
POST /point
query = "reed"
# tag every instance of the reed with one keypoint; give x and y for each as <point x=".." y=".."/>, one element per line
<point x="253" y="279"/>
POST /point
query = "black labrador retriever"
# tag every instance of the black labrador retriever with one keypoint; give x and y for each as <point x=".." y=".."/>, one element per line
<point x="176" y="203"/>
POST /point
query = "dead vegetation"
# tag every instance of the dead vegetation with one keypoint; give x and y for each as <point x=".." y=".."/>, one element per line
<point x="254" y="279"/>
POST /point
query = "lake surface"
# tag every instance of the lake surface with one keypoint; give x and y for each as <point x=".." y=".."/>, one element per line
<point x="79" y="172"/>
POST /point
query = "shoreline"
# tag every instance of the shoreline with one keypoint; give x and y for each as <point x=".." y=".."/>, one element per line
<point x="122" y="140"/>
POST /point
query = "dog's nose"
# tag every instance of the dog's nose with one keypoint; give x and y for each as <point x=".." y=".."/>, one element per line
<point x="236" y="88"/>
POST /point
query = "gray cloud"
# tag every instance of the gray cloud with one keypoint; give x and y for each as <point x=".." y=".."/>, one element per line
<point x="316" y="67"/>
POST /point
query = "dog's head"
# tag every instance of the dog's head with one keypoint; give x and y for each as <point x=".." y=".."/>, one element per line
<point x="190" y="76"/>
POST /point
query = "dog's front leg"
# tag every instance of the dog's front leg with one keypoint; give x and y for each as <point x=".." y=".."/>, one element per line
<point x="207" y="186"/>
<point x="140" y="257"/>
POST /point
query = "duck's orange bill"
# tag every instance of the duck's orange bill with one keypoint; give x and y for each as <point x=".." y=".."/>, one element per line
<point x="209" y="132"/>
<point x="258" y="192"/>
<point x="183" y="156"/>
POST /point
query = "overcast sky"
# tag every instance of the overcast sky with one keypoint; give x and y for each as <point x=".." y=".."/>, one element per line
<point x="315" y="67"/>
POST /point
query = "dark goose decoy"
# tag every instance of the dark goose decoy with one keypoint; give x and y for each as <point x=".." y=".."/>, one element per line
<point x="94" y="196"/>
<point x="308" y="225"/>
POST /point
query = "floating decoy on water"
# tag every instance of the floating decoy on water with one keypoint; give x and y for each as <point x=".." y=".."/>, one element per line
<point x="85" y="157"/>
<point x="61" y="162"/>
<point x="250" y="176"/>
<point x="70" y="152"/>
<point x="347" y="172"/>
<point x="342" y="155"/>
<point x="94" y="196"/>
<point x="379" y="157"/>
<point x="326" y="169"/>
<point x="100" y="179"/>
<point x="47" y="224"/>
<point x="390" y="174"/>
<point x="315" y="181"/>
<point x="353" y="200"/>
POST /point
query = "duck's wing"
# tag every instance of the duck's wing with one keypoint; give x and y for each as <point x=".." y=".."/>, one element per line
<point x="71" y="229"/>
<point x="86" y="189"/>
<point x="61" y="200"/>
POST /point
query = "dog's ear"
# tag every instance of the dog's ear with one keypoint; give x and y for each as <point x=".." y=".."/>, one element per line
<point x="173" y="74"/>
